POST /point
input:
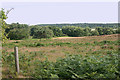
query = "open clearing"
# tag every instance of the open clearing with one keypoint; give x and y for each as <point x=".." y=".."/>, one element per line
<point x="39" y="49"/>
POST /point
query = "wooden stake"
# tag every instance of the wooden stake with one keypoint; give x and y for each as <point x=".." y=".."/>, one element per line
<point x="16" y="60"/>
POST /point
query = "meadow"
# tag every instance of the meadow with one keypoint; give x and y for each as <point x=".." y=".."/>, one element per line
<point x="79" y="57"/>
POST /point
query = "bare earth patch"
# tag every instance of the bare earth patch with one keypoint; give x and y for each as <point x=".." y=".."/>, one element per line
<point x="116" y="35"/>
<point x="68" y="37"/>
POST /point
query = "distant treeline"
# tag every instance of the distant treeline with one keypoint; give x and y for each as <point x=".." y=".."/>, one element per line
<point x="90" y="25"/>
<point x="18" y="31"/>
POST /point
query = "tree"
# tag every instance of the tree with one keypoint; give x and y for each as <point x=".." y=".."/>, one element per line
<point x="17" y="34"/>
<point x="33" y="29"/>
<point x="100" y="30"/>
<point x="18" y="31"/>
<point x="108" y="31"/>
<point x="43" y="32"/>
<point x="3" y="26"/>
<point x="78" y="32"/>
<point x="118" y="30"/>
<point x="95" y="33"/>
<point x="73" y="31"/>
<point x="16" y="26"/>
<point x="87" y="31"/>
<point x="3" y="17"/>
<point x="56" y="30"/>
<point x="69" y="30"/>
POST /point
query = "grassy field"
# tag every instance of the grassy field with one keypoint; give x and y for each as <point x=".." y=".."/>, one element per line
<point x="52" y="49"/>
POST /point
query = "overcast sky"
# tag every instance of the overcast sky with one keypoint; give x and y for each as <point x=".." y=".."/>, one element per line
<point x="62" y="12"/>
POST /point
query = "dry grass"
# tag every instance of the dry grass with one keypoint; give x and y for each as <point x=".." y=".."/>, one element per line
<point x="54" y="52"/>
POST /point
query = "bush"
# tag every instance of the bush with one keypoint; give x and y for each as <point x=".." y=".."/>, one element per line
<point x="78" y="66"/>
<point x="43" y="69"/>
<point x="87" y="67"/>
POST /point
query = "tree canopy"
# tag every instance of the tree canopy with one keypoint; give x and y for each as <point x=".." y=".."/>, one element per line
<point x="43" y="32"/>
<point x="3" y="25"/>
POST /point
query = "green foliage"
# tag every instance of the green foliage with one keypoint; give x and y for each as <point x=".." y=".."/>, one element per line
<point x="83" y="25"/>
<point x="17" y="26"/>
<point x="78" y="66"/>
<point x="33" y="29"/>
<point x="105" y="31"/>
<point x="3" y="26"/>
<point x="83" y="64"/>
<point x="118" y="30"/>
<point x="108" y="31"/>
<point x="73" y="31"/>
<point x="2" y="14"/>
<point x="18" y="31"/>
<point x="43" y="69"/>
<point x="57" y="31"/>
<point x="100" y="30"/>
<point x="17" y="34"/>
<point x="105" y="42"/>
<point x="78" y="31"/>
<point x="94" y="33"/>
<point x="39" y="32"/>
<point x="87" y="31"/>
<point x="43" y="32"/>
<point x="87" y="67"/>
<point x="49" y="44"/>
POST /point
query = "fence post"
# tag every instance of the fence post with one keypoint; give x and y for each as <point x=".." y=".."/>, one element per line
<point x="16" y="59"/>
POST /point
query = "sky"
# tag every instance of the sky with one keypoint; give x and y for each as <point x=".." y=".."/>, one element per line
<point x="61" y="12"/>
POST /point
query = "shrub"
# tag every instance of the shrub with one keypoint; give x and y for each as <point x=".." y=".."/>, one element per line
<point x="43" y="69"/>
<point x="78" y="66"/>
<point x="87" y="67"/>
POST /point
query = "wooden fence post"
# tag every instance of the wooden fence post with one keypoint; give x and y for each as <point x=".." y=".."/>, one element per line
<point x="16" y="59"/>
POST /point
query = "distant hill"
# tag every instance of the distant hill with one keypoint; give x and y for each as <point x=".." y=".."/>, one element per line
<point x="91" y="25"/>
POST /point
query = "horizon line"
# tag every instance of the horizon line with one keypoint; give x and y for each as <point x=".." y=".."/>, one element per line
<point x="70" y="23"/>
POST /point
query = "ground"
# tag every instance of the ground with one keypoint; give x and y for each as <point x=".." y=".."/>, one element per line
<point x="39" y="49"/>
